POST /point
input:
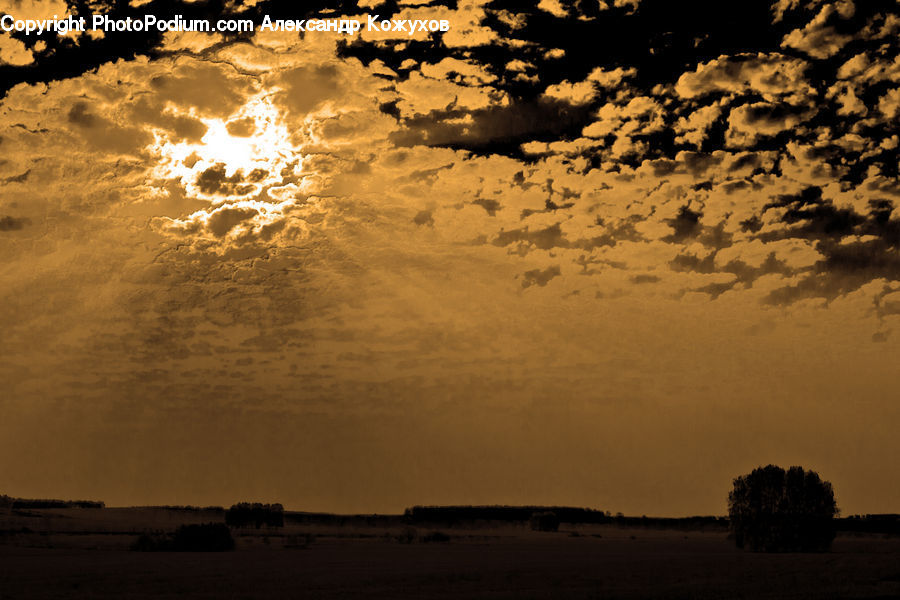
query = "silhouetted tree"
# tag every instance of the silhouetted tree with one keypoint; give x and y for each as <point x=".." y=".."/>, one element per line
<point x="774" y="510"/>
<point x="245" y="514"/>
<point x="454" y="515"/>
<point x="28" y="503"/>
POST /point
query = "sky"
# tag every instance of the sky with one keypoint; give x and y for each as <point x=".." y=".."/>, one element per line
<point x="609" y="254"/>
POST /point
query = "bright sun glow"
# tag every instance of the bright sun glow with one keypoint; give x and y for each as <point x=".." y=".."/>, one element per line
<point x="253" y="145"/>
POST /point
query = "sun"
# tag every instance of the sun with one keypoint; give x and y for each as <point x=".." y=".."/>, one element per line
<point x="251" y="148"/>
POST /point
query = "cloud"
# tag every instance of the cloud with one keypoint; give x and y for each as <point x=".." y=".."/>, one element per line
<point x="889" y="104"/>
<point x="684" y="226"/>
<point x="104" y="134"/>
<point x="421" y="95"/>
<point x="750" y="122"/>
<point x="34" y="9"/>
<point x="244" y="127"/>
<point x="211" y="89"/>
<point x="644" y="278"/>
<point x="242" y="224"/>
<point x="179" y="127"/>
<point x="13" y="52"/>
<point x="773" y="76"/>
<point x="499" y="123"/>
<point x="584" y="92"/>
<point x="467" y="28"/>
<point x="190" y="41"/>
<point x="631" y="5"/>
<point x="465" y="72"/>
<point x="308" y="87"/>
<point x="214" y="181"/>
<point x="554" y="7"/>
<point x="540" y="277"/>
<point x="692" y="128"/>
<point x="820" y="38"/>
<point x="10" y="223"/>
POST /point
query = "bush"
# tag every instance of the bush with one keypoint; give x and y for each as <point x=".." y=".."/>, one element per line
<point x="408" y="535"/>
<point x="209" y="537"/>
<point x="149" y="543"/>
<point x="774" y="510"/>
<point x="544" y="521"/>
<point x="299" y="540"/>
<point x="436" y="536"/>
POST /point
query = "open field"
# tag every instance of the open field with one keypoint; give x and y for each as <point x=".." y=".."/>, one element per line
<point x="83" y="553"/>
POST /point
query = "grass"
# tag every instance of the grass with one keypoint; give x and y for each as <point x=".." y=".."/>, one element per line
<point x="58" y="556"/>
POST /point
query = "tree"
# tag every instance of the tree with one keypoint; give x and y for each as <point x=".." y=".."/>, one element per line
<point x="245" y="514"/>
<point x="544" y="521"/>
<point x="774" y="510"/>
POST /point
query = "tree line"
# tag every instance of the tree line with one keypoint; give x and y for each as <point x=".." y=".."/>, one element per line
<point x="256" y="514"/>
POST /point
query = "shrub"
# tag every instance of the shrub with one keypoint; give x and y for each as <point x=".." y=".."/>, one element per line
<point x="774" y="510"/>
<point x="299" y="540"/>
<point x="408" y="535"/>
<point x="150" y="543"/>
<point x="436" y="536"/>
<point x="544" y="521"/>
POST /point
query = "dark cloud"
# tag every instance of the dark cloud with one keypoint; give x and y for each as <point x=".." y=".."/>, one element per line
<point x="424" y="217"/>
<point x="845" y="268"/>
<point x="811" y="217"/>
<point x="10" y="223"/>
<point x="880" y="337"/>
<point x="855" y="248"/>
<point x="744" y="275"/>
<point x="685" y="225"/>
<point x="692" y="262"/>
<point x="104" y="134"/>
<point x="224" y="220"/>
<point x="22" y="178"/>
<point x="715" y="289"/>
<point x="552" y="237"/>
<point x="749" y="122"/>
<point x="698" y="163"/>
<point x="490" y="206"/>
<point x="180" y="127"/>
<point x="79" y="115"/>
<point x="543" y="239"/>
<point x="540" y="277"/>
<point x="215" y="180"/>
<point x="495" y="129"/>
<point x="241" y="127"/>
<point x="644" y="278"/>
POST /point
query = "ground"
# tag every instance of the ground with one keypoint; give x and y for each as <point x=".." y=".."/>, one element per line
<point x="81" y="553"/>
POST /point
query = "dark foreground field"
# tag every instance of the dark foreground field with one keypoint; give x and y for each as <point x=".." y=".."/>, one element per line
<point x="57" y="557"/>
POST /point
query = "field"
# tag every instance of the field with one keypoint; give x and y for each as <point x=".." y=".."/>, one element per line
<point x="84" y="553"/>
